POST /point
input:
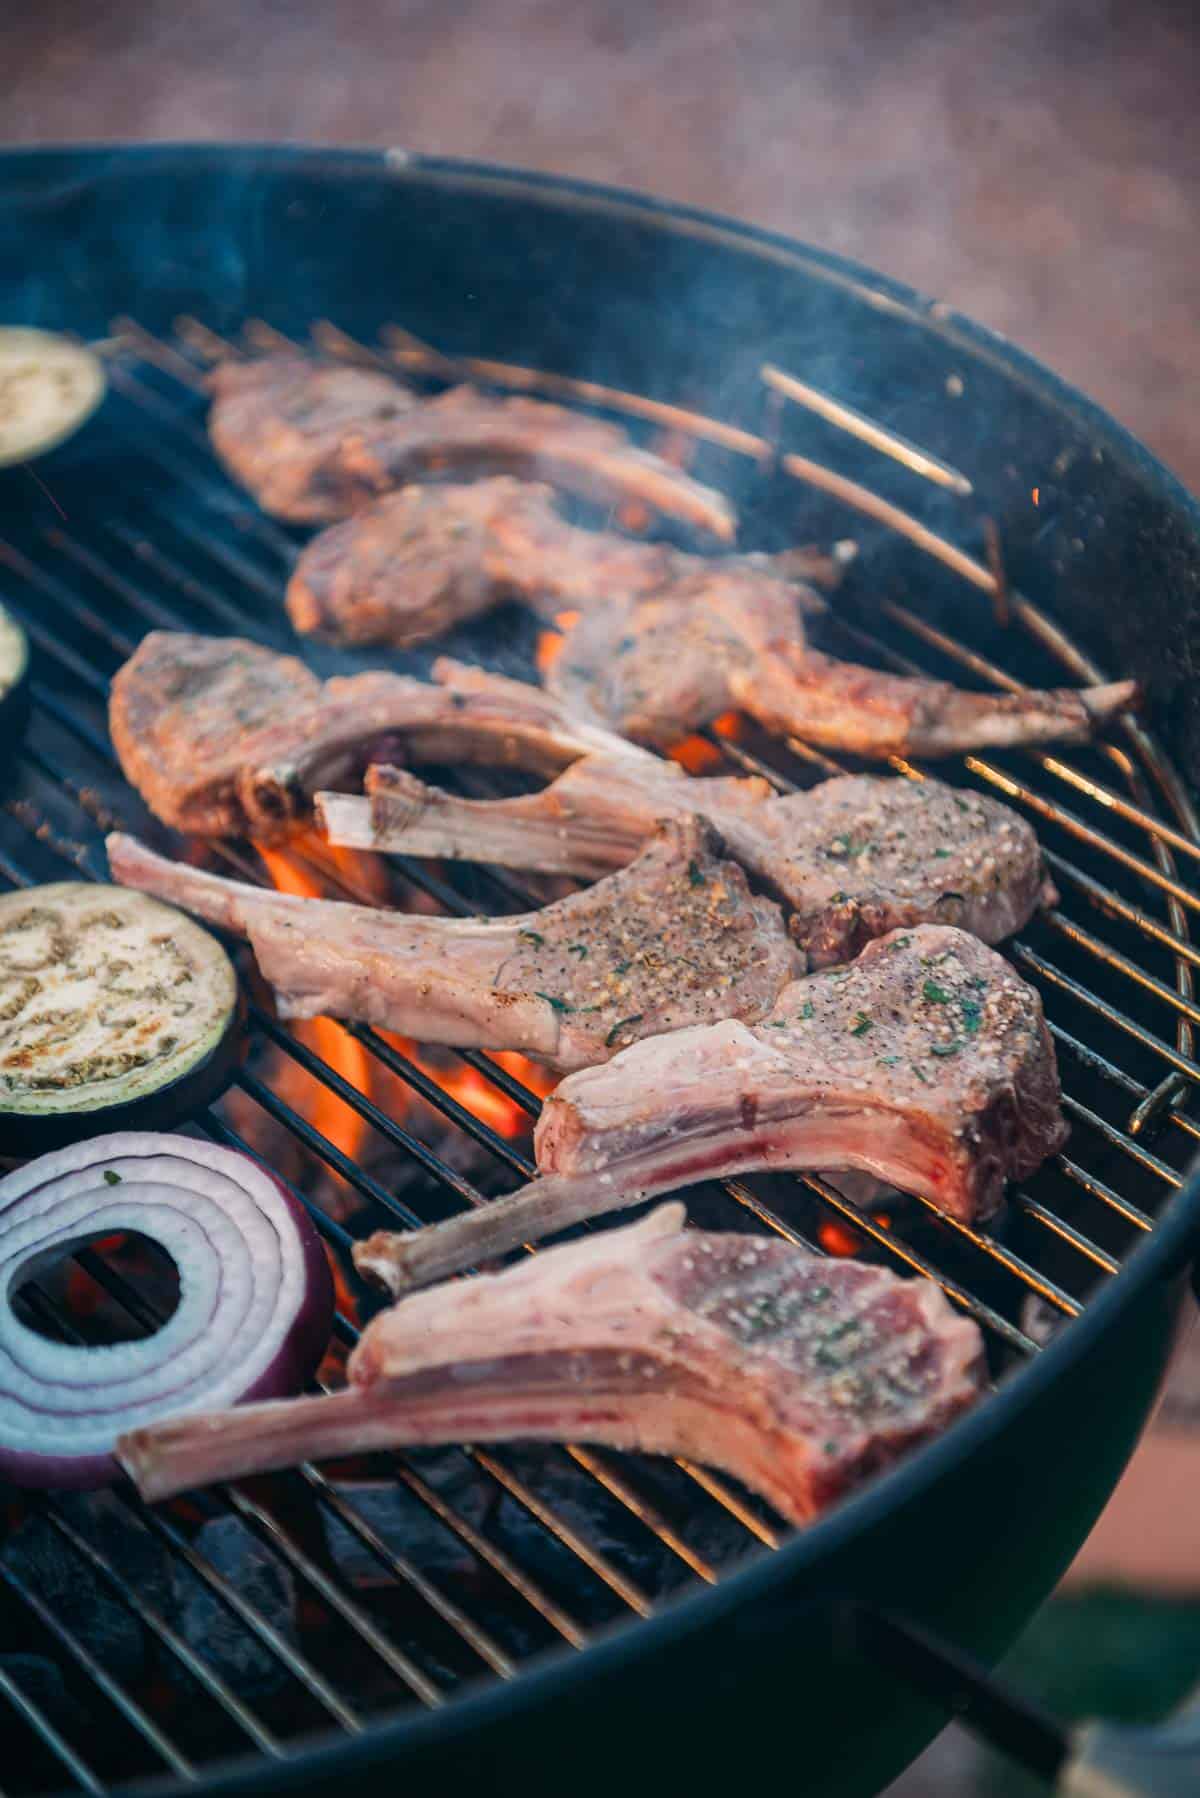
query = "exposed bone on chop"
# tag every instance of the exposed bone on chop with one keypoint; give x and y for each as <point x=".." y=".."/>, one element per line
<point x="315" y="441"/>
<point x="673" y="939"/>
<point x="797" y="1375"/>
<point x="656" y="669"/>
<point x="926" y="1064"/>
<point x="852" y="859"/>
<point x="224" y="738"/>
<point x="425" y="558"/>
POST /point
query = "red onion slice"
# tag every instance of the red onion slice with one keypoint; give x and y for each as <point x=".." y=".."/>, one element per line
<point x="255" y="1297"/>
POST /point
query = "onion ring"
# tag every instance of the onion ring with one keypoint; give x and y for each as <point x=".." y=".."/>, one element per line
<point x="255" y="1297"/>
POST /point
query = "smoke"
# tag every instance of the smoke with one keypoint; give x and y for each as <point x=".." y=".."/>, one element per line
<point x="1035" y="164"/>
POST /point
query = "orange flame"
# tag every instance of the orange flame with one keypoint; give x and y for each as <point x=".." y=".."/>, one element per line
<point x="839" y="1239"/>
<point x="697" y="756"/>
<point x="336" y="1120"/>
<point x="330" y="1115"/>
<point x="550" y="643"/>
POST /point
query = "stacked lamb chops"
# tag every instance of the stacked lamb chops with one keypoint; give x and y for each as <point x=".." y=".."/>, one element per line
<point x="678" y="640"/>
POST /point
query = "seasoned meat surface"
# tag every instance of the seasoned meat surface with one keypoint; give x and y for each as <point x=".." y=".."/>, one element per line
<point x="314" y="442"/>
<point x="424" y="558"/>
<point x="224" y="738"/>
<point x="421" y="559"/>
<point x="656" y="669"/>
<point x="287" y="427"/>
<point x="673" y="939"/>
<point x="185" y="712"/>
<point x="851" y="860"/>
<point x="861" y="854"/>
<point x="798" y="1375"/>
<point x="925" y="1064"/>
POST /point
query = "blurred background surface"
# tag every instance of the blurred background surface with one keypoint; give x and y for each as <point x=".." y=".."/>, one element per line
<point x="1035" y="164"/>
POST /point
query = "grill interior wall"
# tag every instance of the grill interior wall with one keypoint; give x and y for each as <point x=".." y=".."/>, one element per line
<point x="483" y="1559"/>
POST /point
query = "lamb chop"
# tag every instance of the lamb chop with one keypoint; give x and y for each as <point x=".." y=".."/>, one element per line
<point x="926" y="1064"/>
<point x="424" y="558"/>
<point x="797" y="1375"/>
<point x="850" y="860"/>
<point x="315" y="441"/>
<point x="224" y="738"/>
<point x="676" y="938"/>
<point x="656" y="669"/>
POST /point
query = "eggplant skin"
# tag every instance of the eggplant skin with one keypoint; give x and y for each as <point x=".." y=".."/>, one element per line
<point x="25" y="1134"/>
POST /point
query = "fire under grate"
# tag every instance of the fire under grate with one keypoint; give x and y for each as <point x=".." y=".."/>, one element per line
<point x="249" y="1619"/>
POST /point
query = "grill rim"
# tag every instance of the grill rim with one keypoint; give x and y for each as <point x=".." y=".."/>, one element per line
<point x="1163" y="1256"/>
<point x="399" y="164"/>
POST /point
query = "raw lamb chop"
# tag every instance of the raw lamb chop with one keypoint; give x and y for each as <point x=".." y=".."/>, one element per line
<point x="926" y="1064"/>
<point x="656" y="669"/>
<point x="673" y="939"/>
<point x="851" y="860"/>
<point x="224" y="738"/>
<point x="797" y="1375"/>
<point x="424" y="558"/>
<point x="315" y="441"/>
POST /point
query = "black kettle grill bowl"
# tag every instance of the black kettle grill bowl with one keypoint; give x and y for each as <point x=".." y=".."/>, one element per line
<point x="753" y="1677"/>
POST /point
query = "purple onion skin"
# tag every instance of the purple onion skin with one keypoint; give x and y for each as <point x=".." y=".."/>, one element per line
<point x="57" y="1473"/>
<point x="298" y="1358"/>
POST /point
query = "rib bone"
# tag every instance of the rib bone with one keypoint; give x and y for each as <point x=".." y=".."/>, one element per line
<point x="851" y="860"/>
<point x="925" y="1064"/>
<point x="657" y="669"/>
<point x="674" y="938"/>
<point x="797" y="1375"/>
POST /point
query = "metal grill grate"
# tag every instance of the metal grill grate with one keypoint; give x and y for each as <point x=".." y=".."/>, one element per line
<point x="506" y="1553"/>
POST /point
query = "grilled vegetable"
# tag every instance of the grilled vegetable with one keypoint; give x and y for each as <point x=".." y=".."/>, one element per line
<point x="255" y="1297"/>
<point x="48" y="387"/>
<point x="115" y="1010"/>
<point x="14" y="678"/>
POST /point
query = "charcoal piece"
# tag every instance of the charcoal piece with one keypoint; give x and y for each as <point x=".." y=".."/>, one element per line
<point x="41" y="1680"/>
<point x="404" y="1525"/>
<point x="217" y="1635"/>
<point x="581" y="1502"/>
<point x="66" y="1584"/>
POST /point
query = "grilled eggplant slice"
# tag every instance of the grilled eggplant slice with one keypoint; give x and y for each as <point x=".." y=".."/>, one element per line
<point x="48" y="387"/>
<point x="14" y="679"/>
<point x="117" y="1012"/>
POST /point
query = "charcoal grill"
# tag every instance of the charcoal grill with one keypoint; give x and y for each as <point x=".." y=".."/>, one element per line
<point x="584" y="1615"/>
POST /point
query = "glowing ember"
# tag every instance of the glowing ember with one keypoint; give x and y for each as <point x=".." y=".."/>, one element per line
<point x="697" y="756"/>
<point x="838" y="1239"/>
<point x="550" y="642"/>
